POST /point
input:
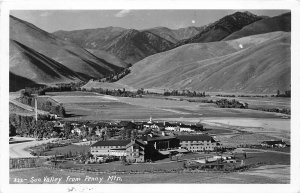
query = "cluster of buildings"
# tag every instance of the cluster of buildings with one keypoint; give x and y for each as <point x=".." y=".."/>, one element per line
<point x="99" y="128"/>
<point x="274" y="143"/>
<point x="153" y="146"/>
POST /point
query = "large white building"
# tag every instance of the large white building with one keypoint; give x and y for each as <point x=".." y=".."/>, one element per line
<point x="110" y="147"/>
<point x="202" y="142"/>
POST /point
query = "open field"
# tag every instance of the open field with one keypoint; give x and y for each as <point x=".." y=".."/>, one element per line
<point x="253" y="102"/>
<point x="257" y="129"/>
<point x="72" y="93"/>
<point x="107" y="85"/>
<point x="277" y="174"/>
<point x="111" y="111"/>
<point x="102" y="107"/>
<point x="68" y="148"/>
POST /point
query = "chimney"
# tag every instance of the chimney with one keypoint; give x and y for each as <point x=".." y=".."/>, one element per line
<point x="164" y="123"/>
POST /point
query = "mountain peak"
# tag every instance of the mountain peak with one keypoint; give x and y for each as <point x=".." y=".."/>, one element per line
<point x="222" y="28"/>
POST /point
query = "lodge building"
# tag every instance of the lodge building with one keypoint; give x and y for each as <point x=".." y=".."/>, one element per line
<point x="153" y="146"/>
<point x="195" y="143"/>
<point x="109" y="147"/>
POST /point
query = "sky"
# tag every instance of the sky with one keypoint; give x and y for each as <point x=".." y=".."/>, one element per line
<point x="54" y="20"/>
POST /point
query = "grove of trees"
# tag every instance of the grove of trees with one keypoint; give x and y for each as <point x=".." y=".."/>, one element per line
<point x="184" y="93"/>
<point x="45" y="105"/>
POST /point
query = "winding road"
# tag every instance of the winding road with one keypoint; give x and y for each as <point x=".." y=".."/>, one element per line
<point x="17" y="150"/>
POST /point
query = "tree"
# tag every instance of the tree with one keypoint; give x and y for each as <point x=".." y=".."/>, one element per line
<point x="128" y="134"/>
<point x="12" y="130"/>
<point x="67" y="128"/>
<point x="133" y="134"/>
<point x="54" y="134"/>
<point x="123" y="133"/>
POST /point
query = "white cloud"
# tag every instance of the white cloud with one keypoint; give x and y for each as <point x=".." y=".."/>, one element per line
<point x="123" y="13"/>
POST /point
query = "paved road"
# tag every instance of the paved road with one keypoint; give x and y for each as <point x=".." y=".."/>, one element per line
<point x="16" y="150"/>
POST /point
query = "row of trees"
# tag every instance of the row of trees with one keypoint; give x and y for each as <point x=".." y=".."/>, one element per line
<point x="115" y="92"/>
<point x="73" y="86"/>
<point x="184" y="93"/>
<point x="28" y="126"/>
<point x="286" y="93"/>
<point x="116" y="76"/>
<point x="276" y="110"/>
<point x="128" y="133"/>
<point x="225" y="103"/>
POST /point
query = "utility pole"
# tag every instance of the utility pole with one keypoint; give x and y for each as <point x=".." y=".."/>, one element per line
<point x="35" y="109"/>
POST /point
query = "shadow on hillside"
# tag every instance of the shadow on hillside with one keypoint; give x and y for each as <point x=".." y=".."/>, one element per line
<point x="17" y="83"/>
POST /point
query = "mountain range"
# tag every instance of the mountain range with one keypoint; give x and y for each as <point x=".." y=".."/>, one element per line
<point x="129" y="45"/>
<point x="254" y="50"/>
<point x="42" y="58"/>
<point x="222" y="28"/>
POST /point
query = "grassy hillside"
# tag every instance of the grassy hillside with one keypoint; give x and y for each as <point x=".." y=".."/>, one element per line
<point x="254" y="64"/>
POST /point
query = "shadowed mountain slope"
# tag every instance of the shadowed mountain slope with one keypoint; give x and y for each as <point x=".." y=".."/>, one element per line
<point x="44" y="58"/>
<point x="18" y="82"/>
<point x="277" y="23"/>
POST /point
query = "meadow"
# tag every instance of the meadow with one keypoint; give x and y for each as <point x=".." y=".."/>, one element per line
<point x="93" y="106"/>
<point x="69" y="148"/>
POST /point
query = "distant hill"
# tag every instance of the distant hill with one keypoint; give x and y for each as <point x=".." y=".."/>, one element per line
<point x="277" y="23"/>
<point x="222" y="28"/>
<point x="129" y="45"/>
<point x="253" y="64"/>
<point x="132" y="45"/>
<point x="43" y="58"/>
<point x="90" y="38"/>
<point x="175" y="35"/>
